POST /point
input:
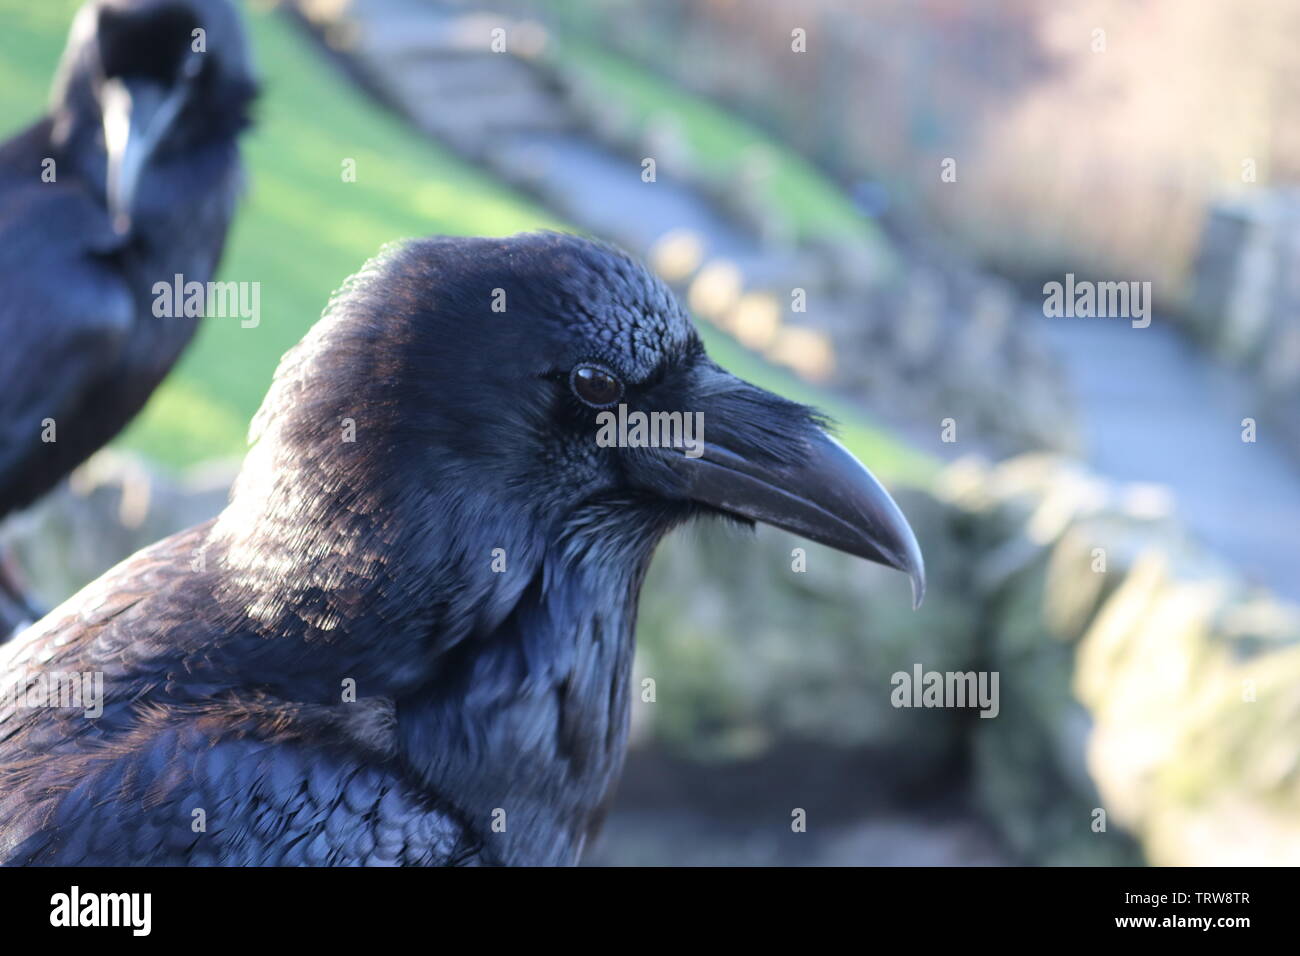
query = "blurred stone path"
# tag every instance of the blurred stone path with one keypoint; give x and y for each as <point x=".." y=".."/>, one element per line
<point x="1154" y="408"/>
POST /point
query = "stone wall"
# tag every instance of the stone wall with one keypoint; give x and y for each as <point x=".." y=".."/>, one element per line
<point x="1245" y="302"/>
<point x="1141" y="676"/>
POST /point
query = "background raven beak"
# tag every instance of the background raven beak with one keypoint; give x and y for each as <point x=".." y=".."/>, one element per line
<point x="136" y="114"/>
<point x="819" y="490"/>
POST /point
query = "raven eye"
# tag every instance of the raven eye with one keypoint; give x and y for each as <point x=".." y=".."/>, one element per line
<point x="595" y="386"/>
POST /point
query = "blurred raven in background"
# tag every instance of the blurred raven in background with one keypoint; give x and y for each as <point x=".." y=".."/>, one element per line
<point x="131" y="179"/>
<point x="409" y="637"/>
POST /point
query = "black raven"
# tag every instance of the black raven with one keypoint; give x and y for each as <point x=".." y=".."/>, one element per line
<point x="129" y="180"/>
<point x="408" y="638"/>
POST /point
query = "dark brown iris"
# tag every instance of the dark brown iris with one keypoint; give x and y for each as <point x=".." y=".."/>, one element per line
<point x="595" y="386"/>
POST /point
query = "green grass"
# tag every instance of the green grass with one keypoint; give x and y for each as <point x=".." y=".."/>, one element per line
<point x="302" y="230"/>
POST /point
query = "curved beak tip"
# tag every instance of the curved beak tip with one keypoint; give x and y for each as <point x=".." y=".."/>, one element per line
<point x="906" y="557"/>
<point x="913" y="565"/>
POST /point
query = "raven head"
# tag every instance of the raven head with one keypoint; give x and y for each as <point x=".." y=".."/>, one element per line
<point x="437" y="507"/>
<point x="484" y="381"/>
<point x="144" y="81"/>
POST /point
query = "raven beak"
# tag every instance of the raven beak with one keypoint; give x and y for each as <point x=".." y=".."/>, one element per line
<point x="820" y="491"/>
<point x="136" y="115"/>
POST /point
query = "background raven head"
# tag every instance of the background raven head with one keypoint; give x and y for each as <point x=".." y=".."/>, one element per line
<point x="148" y="84"/>
<point x="444" y="413"/>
